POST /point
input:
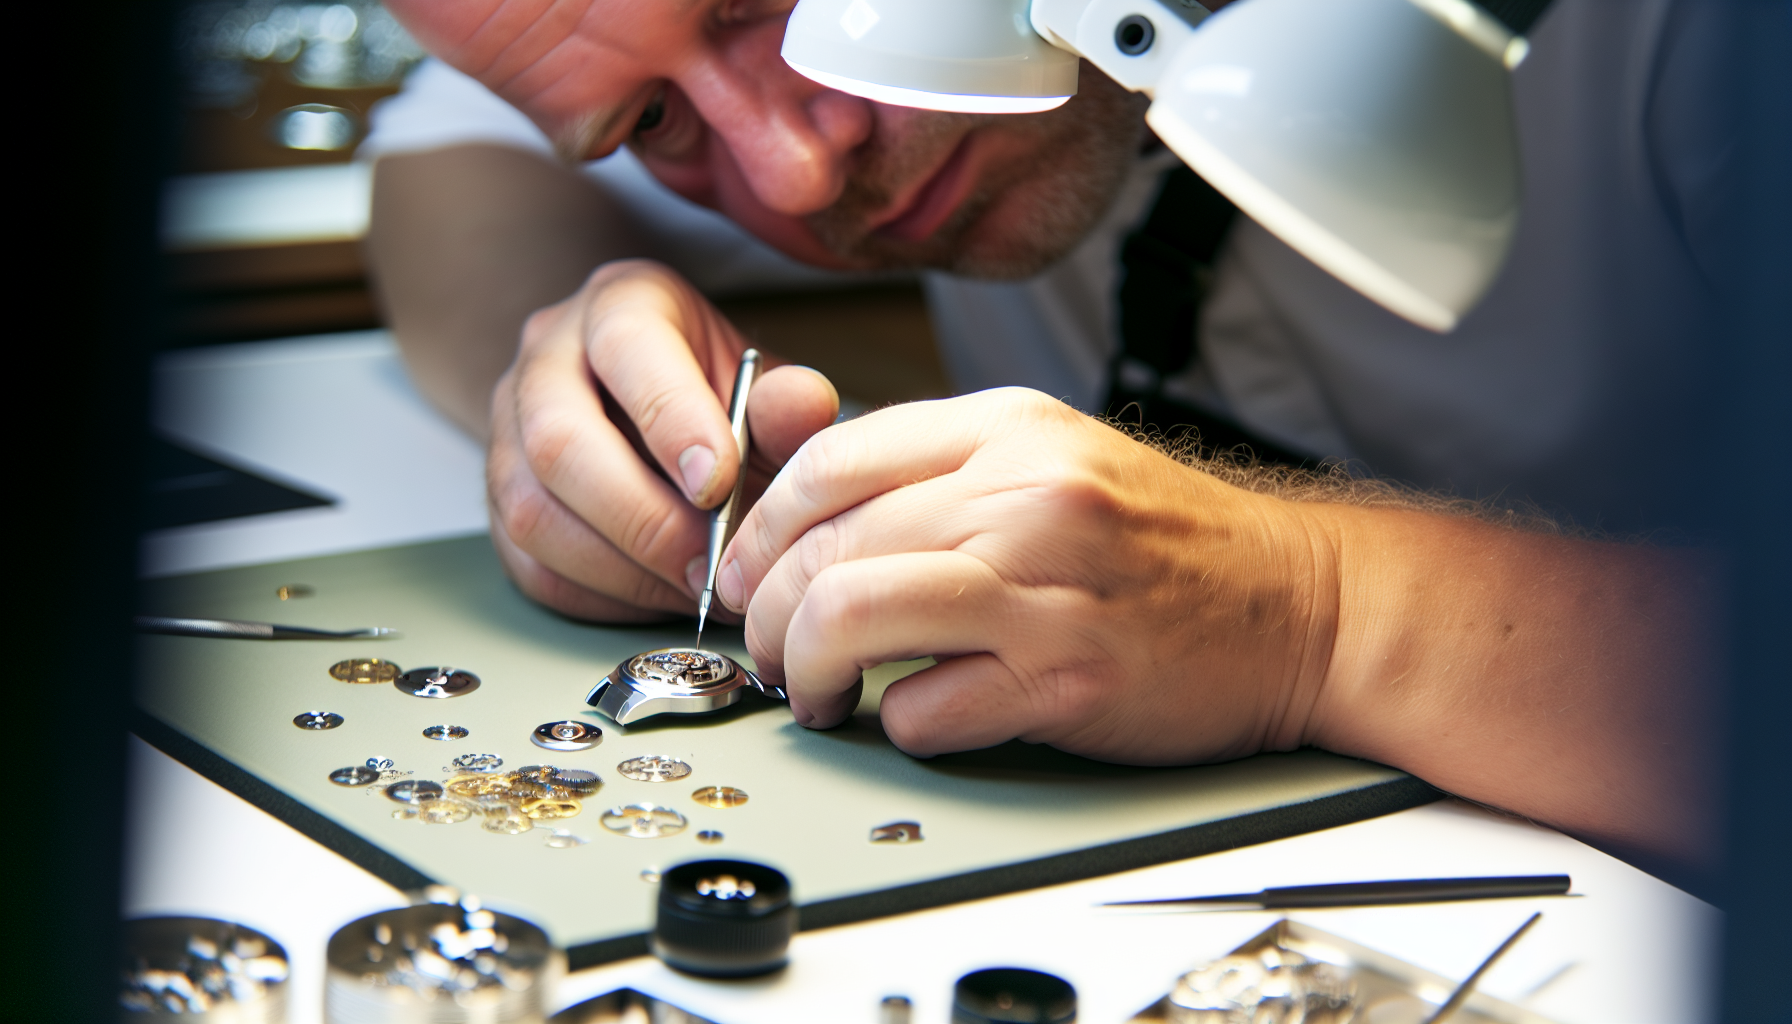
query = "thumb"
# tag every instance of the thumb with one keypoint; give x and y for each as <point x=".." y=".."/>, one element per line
<point x="786" y="407"/>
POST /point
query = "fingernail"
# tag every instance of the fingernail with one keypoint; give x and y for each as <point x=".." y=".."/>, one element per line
<point x="696" y="465"/>
<point x="696" y="574"/>
<point x="804" y="717"/>
<point x="729" y="585"/>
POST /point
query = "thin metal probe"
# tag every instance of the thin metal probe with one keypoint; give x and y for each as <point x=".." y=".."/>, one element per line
<point x="721" y="521"/>
<point x="1467" y="988"/>
<point x="230" y="629"/>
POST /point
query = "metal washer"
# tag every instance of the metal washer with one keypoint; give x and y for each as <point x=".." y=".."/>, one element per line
<point x="437" y="683"/>
<point x="566" y="736"/>
<point x="317" y="720"/>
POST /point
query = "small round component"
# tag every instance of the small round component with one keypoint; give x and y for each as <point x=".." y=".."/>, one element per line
<point x="897" y="832"/>
<point x="643" y="821"/>
<point x="709" y="835"/>
<point x="564" y="840"/>
<point x="364" y="670"/>
<point x="444" y="812"/>
<point x="507" y="822"/>
<point x="380" y="764"/>
<point x="317" y="720"/>
<point x="720" y="796"/>
<point x="650" y="875"/>
<point x="999" y="995"/>
<point x="414" y="791"/>
<point x="567" y="735"/>
<point x="294" y="591"/>
<point x="476" y="763"/>
<point x="576" y="781"/>
<point x="355" y="775"/>
<point x="1134" y="35"/>
<point x="723" y="918"/>
<point x="437" y="683"/>
<point x="654" y="768"/>
<point x="548" y="808"/>
<point x="445" y="732"/>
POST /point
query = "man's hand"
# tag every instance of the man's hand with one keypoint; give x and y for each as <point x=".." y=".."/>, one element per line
<point x="1083" y="590"/>
<point x="610" y="437"/>
<point x="1079" y="588"/>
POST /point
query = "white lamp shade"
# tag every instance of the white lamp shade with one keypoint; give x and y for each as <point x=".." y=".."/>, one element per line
<point x="973" y="56"/>
<point x="1370" y="135"/>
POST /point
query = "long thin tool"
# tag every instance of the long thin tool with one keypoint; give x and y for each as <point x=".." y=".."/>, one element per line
<point x="1375" y="894"/>
<point x="230" y="629"/>
<point x="721" y="521"/>
<point x="1467" y="988"/>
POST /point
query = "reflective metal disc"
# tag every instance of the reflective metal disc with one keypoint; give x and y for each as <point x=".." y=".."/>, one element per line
<point x="364" y="670"/>
<point x="317" y="720"/>
<point x="564" y="840"/>
<point x="414" y="791"/>
<point x="445" y="732"/>
<point x="444" y="811"/>
<point x="567" y="736"/>
<point x="475" y="763"/>
<point x="550" y="807"/>
<point x="710" y="835"/>
<point x="380" y="764"/>
<point x="897" y="832"/>
<point x="507" y="822"/>
<point x="720" y="796"/>
<point x="437" y="682"/>
<point x="643" y="821"/>
<point x="654" y="768"/>
<point x="577" y="781"/>
<point x="355" y="775"/>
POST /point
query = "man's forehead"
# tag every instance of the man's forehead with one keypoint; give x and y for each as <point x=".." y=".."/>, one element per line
<point x="571" y="65"/>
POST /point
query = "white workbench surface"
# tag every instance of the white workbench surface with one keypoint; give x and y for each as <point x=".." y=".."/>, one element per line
<point x="338" y="415"/>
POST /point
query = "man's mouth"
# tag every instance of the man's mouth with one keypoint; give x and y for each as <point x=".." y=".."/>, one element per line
<point x="935" y="201"/>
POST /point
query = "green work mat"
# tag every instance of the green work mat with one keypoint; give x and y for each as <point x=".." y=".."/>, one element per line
<point x="1012" y="817"/>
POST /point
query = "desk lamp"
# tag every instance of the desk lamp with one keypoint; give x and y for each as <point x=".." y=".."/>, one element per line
<point x="1373" y="136"/>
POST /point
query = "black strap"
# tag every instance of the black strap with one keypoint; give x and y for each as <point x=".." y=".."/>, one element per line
<point x="1166" y="270"/>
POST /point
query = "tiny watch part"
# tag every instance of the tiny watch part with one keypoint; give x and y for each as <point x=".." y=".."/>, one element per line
<point x="363" y="671"/>
<point x="355" y="775"/>
<point x="567" y="736"/>
<point x="445" y="732"/>
<point x="897" y="832"/>
<point x="709" y="835"/>
<point x="576" y="781"/>
<point x="294" y="591"/>
<point x="676" y="681"/>
<point x="317" y="720"/>
<point x="380" y="764"/>
<point x="437" y="683"/>
<point x="414" y="791"/>
<point x="475" y="763"/>
<point x="643" y="821"/>
<point x="653" y="768"/>
<point x="720" y="796"/>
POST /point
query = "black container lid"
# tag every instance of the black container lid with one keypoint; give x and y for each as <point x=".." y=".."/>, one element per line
<point x="724" y="918"/>
<point x="1013" y="995"/>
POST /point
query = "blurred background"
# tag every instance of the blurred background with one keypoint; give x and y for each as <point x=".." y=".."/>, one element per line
<point x="267" y="208"/>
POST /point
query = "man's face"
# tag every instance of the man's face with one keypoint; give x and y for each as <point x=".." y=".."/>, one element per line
<point x="698" y="89"/>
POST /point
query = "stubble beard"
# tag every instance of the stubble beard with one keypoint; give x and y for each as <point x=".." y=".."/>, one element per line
<point x="1021" y="217"/>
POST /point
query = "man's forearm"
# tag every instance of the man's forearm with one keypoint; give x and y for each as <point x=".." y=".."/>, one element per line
<point x="464" y="244"/>
<point x="1574" y="682"/>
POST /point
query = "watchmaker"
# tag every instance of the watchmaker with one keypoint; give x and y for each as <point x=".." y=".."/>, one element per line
<point x="1078" y="587"/>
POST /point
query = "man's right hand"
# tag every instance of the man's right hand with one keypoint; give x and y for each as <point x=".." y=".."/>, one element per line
<point x="609" y="439"/>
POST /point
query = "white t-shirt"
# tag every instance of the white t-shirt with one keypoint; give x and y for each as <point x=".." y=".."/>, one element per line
<point x="1583" y="382"/>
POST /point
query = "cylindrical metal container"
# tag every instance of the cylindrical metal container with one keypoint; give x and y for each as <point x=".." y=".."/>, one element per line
<point x="440" y="963"/>
<point x="185" y="968"/>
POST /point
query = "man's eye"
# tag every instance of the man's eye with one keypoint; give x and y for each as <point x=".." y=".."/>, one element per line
<point x="652" y="115"/>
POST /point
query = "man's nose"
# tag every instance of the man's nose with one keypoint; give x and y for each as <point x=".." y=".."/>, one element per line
<point x="791" y="138"/>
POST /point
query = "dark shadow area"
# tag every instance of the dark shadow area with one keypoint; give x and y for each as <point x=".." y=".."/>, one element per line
<point x="186" y="487"/>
